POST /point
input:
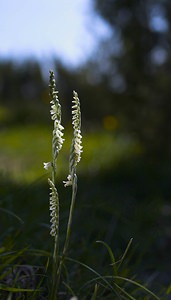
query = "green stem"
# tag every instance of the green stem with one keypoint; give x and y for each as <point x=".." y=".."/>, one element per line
<point x="68" y="234"/>
<point x="54" y="285"/>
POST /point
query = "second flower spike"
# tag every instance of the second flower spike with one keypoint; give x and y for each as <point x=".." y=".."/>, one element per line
<point x="76" y="146"/>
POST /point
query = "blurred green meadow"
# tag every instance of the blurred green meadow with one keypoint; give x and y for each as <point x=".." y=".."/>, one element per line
<point x="25" y="148"/>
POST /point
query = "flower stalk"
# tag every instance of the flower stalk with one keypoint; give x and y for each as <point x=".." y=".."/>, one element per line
<point x="74" y="158"/>
<point x="57" y="142"/>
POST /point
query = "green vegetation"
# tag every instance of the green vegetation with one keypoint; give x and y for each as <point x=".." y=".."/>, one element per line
<point x="124" y="175"/>
<point x="24" y="148"/>
<point x="107" y="217"/>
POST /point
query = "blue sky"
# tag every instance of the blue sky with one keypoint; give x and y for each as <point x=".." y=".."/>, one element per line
<point x="46" y="28"/>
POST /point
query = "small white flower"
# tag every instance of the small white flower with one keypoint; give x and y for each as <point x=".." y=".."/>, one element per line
<point x="58" y="125"/>
<point x="53" y="110"/>
<point x="59" y="134"/>
<point x="47" y="165"/>
<point x="68" y="182"/>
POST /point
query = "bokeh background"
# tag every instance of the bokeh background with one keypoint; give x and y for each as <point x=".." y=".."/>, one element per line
<point x="117" y="56"/>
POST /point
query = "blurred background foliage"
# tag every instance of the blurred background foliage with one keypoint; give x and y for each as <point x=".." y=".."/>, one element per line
<point x="125" y="173"/>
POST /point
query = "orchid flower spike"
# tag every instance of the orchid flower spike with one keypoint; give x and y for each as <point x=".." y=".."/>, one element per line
<point x="76" y="146"/>
<point x="57" y="140"/>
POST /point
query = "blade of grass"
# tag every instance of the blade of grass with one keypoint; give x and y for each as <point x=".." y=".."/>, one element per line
<point x="138" y="285"/>
<point x="112" y="257"/>
<point x="16" y="290"/>
<point x="12" y="214"/>
<point x="125" y="253"/>
<point x="94" y="296"/>
<point x="94" y="272"/>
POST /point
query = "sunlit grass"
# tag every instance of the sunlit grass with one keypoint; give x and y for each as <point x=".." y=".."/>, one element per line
<point x="4" y="113"/>
<point x="23" y="149"/>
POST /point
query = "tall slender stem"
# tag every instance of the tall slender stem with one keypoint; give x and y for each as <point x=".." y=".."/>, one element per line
<point x="69" y="225"/>
<point x="68" y="234"/>
<point x="57" y="142"/>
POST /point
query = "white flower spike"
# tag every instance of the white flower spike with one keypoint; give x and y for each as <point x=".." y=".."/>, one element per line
<point x="54" y="208"/>
<point x="76" y="146"/>
<point x="56" y="117"/>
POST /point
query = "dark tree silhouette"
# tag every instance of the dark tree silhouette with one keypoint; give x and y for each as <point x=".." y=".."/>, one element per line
<point x="136" y="65"/>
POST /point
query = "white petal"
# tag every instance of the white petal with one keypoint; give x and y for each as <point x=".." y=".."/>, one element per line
<point x="47" y="165"/>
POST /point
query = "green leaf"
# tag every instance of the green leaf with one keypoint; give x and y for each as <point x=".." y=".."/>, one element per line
<point x="112" y="257"/>
<point x="16" y="290"/>
<point x="137" y="284"/>
<point x="94" y="296"/>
